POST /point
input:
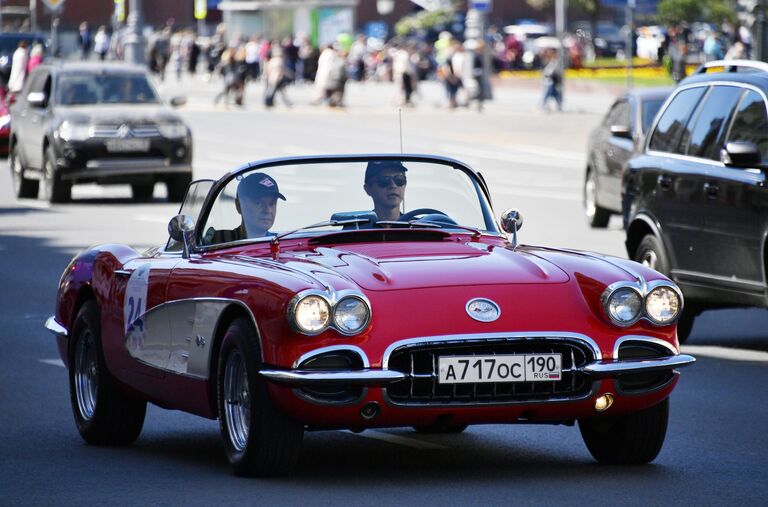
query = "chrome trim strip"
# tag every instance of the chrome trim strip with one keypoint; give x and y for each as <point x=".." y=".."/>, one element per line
<point x="366" y="377"/>
<point x="611" y="369"/>
<point x="638" y="338"/>
<point x="55" y="327"/>
<point x="532" y="335"/>
<point x="333" y="348"/>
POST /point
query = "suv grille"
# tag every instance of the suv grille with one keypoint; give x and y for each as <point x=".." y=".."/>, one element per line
<point x="114" y="131"/>
<point x="420" y="361"/>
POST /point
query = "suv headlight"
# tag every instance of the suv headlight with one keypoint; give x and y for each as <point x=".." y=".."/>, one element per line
<point x="172" y="130"/>
<point x="311" y="314"/>
<point x="624" y="306"/>
<point x="69" y="131"/>
<point x="351" y="315"/>
<point x="663" y="305"/>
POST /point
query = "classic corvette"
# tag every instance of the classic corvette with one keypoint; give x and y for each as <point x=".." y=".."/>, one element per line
<point x="360" y="291"/>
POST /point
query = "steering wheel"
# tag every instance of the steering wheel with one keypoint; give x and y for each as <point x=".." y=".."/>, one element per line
<point x="411" y="215"/>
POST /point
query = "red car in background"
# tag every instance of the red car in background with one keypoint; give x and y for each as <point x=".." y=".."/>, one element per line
<point x="5" y="123"/>
<point x="435" y="319"/>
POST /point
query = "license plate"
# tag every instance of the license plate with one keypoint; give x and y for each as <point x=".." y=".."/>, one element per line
<point x="504" y="368"/>
<point x="122" y="145"/>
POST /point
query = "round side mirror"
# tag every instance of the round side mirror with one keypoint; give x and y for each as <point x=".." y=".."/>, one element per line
<point x="179" y="226"/>
<point x="178" y="101"/>
<point x="511" y="221"/>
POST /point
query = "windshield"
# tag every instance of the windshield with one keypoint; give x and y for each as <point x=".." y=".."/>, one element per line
<point x="83" y="89"/>
<point x="271" y="201"/>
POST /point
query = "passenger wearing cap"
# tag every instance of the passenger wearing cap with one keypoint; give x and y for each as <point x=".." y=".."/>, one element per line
<point x="385" y="182"/>
<point x="256" y="202"/>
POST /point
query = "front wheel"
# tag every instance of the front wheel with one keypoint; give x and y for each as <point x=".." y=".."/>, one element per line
<point x="259" y="440"/>
<point x="597" y="216"/>
<point x="22" y="186"/>
<point x="54" y="188"/>
<point x="631" y="439"/>
<point x="104" y="414"/>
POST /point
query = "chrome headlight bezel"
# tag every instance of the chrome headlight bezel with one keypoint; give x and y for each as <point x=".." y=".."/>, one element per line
<point x="337" y="308"/>
<point x="332" y="301"/>
<point x="643" y="290"/>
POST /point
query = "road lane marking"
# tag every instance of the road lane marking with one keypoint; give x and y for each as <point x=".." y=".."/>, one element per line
<point x="730" y="354"/>
<point x="522" y="191"/>
<point x="396" y="439"/>
<point x="151" y="218"/>
<point x="53" y="362"/>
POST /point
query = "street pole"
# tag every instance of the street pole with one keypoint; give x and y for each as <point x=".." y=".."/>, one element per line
<point x="761" y="42"/>
<point x="134" y="38"/>
<point x="33" y="16"/>
<point x="560" y="24"/>
<point x="629" y="50"/>
<point x="55" y="34"/>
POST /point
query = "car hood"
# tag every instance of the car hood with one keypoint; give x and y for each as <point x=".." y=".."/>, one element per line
<point x="117" y="113"/>
<point x="402" y="266"/>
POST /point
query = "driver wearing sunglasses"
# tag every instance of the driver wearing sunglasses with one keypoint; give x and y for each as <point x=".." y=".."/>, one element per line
<point x="385" y="182"/>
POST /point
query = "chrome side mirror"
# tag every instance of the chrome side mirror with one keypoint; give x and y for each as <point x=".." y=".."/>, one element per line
<point x="178" y="101"/>
<point x="621" y="131"/>
<point x="511" y="222"/>
<point x="181" y="228"/>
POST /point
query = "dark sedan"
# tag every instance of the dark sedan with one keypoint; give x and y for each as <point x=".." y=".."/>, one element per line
<point x="96" y="123"/>
<point x="619" y="136"/>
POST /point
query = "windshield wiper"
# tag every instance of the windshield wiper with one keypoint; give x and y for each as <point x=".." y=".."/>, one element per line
<point x="476" y="233"/>
<point x="274" y="243"/>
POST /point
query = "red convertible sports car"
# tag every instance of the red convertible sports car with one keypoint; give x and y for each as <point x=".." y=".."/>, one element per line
<point x="404" y="303"/>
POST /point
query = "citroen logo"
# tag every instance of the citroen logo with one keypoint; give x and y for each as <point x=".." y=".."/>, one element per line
<point x="483" y="310"/>
<point x="124" y="131"/>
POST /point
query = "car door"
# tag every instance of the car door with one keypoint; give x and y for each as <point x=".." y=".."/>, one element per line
<point x="21" y="121"/>
<point x="618" y="148"/>
<point x="36" y="119"/>
<point x="665" y="186"/>
<point x="737" y="203"/>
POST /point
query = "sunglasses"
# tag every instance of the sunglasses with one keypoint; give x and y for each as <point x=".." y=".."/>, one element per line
<point x="398" y="179"/>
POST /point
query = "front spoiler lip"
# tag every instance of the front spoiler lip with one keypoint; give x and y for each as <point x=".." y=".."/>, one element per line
<point x="380" y="377"/>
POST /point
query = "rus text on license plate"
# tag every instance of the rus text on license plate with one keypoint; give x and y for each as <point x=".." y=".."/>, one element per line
<point x="123" y="145"/>
<point x="502" y="368"/>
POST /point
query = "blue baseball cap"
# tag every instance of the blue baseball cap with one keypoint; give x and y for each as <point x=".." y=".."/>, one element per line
<point x="257" y="185"/>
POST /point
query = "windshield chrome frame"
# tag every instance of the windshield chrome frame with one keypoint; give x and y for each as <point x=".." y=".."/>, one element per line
<point x="484" y="196"/>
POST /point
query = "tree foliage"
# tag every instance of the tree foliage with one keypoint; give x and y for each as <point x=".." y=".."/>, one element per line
<point x="588" y="6"/>
<point x="714" y="11"/>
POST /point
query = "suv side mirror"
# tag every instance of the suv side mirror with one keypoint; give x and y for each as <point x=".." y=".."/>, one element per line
<point x="36" y="99"/>
<point x="741" y="154"/>
<point x="621" y="131"/>
<point x="178" y="101"/>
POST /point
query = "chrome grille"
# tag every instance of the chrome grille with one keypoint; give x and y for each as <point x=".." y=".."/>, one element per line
<point x="124" y="130"/>
<point x="421" y="363"/>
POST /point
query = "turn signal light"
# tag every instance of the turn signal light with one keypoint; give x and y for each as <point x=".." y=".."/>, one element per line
<point x="604" y="402"/>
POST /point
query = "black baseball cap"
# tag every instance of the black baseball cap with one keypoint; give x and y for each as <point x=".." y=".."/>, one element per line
<point x="257" y="185"/>
<point x="374" y="167"/>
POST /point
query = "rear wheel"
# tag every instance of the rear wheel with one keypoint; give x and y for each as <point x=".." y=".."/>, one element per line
<point x="54" y="188"/>
<point x="259" y="440"/>
<point x="631" y="439"/>
<point x="177" y="186"/>
<point x="143" y="191"/>
<point x="22" y="187"/>
<point x="104" y="414"/>
<point x="597" y="216"/>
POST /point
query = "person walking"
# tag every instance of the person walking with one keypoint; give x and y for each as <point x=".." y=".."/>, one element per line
<point x="404" y="73"/>
<point x="553" y="80"/>
<point x="101" y="43"/>
<point x="35" y="57"/>
<point x="277" y="76"/>
<point x="84" y="40"/>
<point x="18" y="68"/>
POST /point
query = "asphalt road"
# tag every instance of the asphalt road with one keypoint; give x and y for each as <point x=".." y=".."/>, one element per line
<point x="716" y="450"/>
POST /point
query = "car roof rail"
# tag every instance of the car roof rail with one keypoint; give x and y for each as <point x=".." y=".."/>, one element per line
<point x="733" y="65"/>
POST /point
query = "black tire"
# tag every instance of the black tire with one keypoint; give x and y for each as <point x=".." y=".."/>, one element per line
<point x="631" y="439"/>
<point x="440" y="428"/>
<point x="142" y="192"/>
<point x="23" y="188"/>
<point x="685" y="322"/>
<point x="104" y="414"/>
<point x="177" y="187"/>
<point x="54" y="188"/>
<point x="650" y="252"/>
<point x="259" y="440"/>
<point x="597" y="216"/>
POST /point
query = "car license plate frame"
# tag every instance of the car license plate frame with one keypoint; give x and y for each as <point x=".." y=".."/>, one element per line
<point x="500" y="368"/>
<point x="126" y="145"/>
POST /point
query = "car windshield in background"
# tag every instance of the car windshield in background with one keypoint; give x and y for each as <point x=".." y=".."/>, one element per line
<point x="84" y="89"/>
<point x="9" y="42"/>
<point x="430" y="194"/>
<point x="650" y="108"/>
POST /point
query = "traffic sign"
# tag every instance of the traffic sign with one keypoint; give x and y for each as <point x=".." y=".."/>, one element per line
<point x="120" y="11"/>
<point x="481" y="5"/>
<point x="201" y="9"/>
<point x="54" y="5"/>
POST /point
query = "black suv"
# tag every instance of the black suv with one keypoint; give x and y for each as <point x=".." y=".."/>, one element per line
<point x="695" y="202"/>
<point x="102" y="123"/>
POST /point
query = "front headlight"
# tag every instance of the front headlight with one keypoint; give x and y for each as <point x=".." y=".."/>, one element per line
<point x="624" y="306"/>
<point x="351" y="315"/>
<point x="69" y="131"/>
<point x="312" y="314"/>
<point x="663" y="305"/>
<point x="172" y="130"/>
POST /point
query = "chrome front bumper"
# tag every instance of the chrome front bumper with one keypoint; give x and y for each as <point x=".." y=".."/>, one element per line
<point x="380" y="377"/>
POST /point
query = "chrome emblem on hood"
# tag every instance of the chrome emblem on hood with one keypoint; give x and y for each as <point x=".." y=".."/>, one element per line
<point x="483" y="310"/>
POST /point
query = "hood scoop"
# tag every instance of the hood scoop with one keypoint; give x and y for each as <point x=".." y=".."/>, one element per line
<point x="379" y="235"/>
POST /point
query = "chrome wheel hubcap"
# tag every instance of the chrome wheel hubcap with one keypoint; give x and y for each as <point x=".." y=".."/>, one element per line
<point x="86" y="375"/>
<point x="237" y="401"/>
<point x="589" y="196"/>
<point x="649" y="259"/>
